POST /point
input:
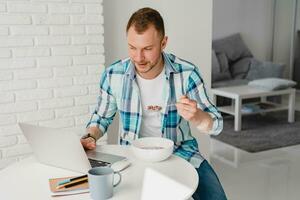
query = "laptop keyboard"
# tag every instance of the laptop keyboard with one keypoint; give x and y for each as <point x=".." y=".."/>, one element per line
<point x="98" y="163"/>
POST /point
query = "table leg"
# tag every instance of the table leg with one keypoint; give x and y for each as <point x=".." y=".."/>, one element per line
<point x="237" y="114"/>
<point x="263" y="99"/>
<point x="214" y="99"/>
<point x="291" y="114"/>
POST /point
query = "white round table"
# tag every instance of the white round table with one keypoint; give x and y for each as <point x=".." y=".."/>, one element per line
<point x="28" y="179"/>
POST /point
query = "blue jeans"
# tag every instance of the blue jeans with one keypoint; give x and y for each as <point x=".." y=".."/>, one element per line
<point x="209" y="187"/>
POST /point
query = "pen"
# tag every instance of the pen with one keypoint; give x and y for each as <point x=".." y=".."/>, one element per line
<point x="73" y="183"/>
<point x="78" y="183"/>
<point x="70" y="179"/>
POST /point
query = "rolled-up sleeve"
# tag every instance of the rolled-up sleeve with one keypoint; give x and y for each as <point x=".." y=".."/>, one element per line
<point x="106" y="107"/>
<point x="196" y="91"/>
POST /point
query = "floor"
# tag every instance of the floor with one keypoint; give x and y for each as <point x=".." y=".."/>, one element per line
<point x="268" y="175"/>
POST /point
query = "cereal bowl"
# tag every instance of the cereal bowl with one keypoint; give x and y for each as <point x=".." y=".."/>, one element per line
<point x="152" y="149"/>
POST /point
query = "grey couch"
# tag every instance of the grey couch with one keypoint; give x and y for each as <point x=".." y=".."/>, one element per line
<point x="233" y="63"/>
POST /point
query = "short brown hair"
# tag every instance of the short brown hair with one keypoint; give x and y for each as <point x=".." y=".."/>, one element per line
<point x="142" y="18"/>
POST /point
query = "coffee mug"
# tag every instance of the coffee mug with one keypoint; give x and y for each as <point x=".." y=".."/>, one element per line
<point x="101" y="182"/>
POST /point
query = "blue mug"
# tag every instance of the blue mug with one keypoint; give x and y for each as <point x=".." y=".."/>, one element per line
<point x="101" y="182"/>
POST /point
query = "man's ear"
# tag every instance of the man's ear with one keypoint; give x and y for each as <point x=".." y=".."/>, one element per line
<point x="164" y="42"/>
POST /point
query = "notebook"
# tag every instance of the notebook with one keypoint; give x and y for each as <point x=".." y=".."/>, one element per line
<point x="61" y="148"/>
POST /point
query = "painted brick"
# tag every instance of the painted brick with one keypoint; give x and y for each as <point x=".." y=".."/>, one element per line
<point x="68" y="50"/>
<point x="4" y="31"/>
<point x="15" y="19"/>
<point x="96" y="70"/>
<point x="6" y="97"/>
<point x="50" y="19"/>
<point x="94" y="8"/>
<point x="17" y="85"/>
<point x="86" y="1"/>
<point x="46" y="42"/>
<point x="17" y="63"/>
<point x="7" y="161"/>
<point x="31" y="52"/>
<point x="9" y="130"/>
<point x="55" y="83"/>
<point x="94" y="29"/>
<point x="87" y="19"/>
<point x="82" y="120"/>
<point x="2" y="7"/>
<point x="54" y="61"/>
<point x="8" y="141"/>
<point x="95" y="49"/>
<point x="29" y="30"/>
<point x="17" y="107"/>
<point x="88" y="40"/>
<point x="93" y="89"/>
<point x="58" y="123"/>
<point x="66" y="8"/>
<point x="5" y="53"/>
<point x="15" y="42"/>
<point x="70" y="71"/>
<point x="6" y="75"/>
<point x="33" y="73"/>
<point x="89" y="59"/>
<point x="72" y="111"/>
<point x="86" y="100"/>
<point x="84" y="80"/>
<point x="35" y="94"/>
<point x="26" y="8"/>
<point x="70" y="91"/>
<point x="7" y="119"/>
<point x="21" y="139"/>
<point x="56" y="103"/>
<point x="17" y="150"/>
<point x="67" y="30"/>
<point x="52" y="40"/>
<point x="36" y="116"/>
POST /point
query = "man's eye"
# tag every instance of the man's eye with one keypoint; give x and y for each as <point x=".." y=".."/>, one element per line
<point x="148" y="49"/>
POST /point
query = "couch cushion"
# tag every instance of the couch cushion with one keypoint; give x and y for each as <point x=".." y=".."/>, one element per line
<point x="220" y="67"/>
<point x="240" y="68"/>
<point x="233" y="46"/>
<point x="227" y="83"/>
<point x="263" y="69"/>
<point x="273" y="83"/>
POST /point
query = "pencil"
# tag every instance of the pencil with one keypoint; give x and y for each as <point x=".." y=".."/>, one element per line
<point x="70" y="179"/>
<point x="73" y="183"/>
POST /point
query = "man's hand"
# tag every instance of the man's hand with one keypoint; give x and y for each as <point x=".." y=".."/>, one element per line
<point x="88" y="143"/>
<point x="187" y="108"/>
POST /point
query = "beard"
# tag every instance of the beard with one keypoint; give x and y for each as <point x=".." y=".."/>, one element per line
<point x="145" y="67"/>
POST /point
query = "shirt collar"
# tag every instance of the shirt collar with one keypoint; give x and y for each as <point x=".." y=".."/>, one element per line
<point x="168" y="62"/>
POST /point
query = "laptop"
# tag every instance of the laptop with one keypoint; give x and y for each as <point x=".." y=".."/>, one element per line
<point x="61" y="148"/>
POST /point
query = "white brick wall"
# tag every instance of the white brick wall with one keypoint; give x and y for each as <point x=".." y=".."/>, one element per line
<point x="51" y="58"/>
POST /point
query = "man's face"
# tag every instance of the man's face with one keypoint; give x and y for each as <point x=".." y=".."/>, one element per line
<point x="145" y="49"/>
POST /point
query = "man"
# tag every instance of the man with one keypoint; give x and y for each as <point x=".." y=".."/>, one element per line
<point x="157" y="94"/>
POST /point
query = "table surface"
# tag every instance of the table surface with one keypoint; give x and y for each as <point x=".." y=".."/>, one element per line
<point x="28" y="179"/>
<point x="247" y="90"/>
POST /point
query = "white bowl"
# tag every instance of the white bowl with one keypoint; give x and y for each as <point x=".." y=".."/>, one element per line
<point x="152" y="149"/>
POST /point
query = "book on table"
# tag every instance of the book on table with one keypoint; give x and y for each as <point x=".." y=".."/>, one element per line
<point x="82" y="187"/>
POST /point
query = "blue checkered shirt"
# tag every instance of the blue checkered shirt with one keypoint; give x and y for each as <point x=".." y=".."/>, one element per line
<point x="119" y="92"/>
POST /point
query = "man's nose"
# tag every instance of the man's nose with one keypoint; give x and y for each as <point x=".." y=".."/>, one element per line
<point x="139" y="56"/>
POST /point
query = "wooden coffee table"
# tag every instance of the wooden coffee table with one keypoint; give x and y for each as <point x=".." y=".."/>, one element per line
<point x="238" y="93"/>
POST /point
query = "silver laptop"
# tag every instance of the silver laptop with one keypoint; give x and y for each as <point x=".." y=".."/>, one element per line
<point x="61" y="148"/>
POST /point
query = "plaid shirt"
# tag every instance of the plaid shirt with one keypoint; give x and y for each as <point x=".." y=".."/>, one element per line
<point x="119" y="92"/>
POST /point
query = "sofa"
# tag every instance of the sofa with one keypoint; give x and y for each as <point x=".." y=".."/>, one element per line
<point x="233" y="63"/>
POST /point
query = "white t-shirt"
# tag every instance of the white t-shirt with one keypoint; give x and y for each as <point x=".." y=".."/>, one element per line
<point x="151" y="93"/>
